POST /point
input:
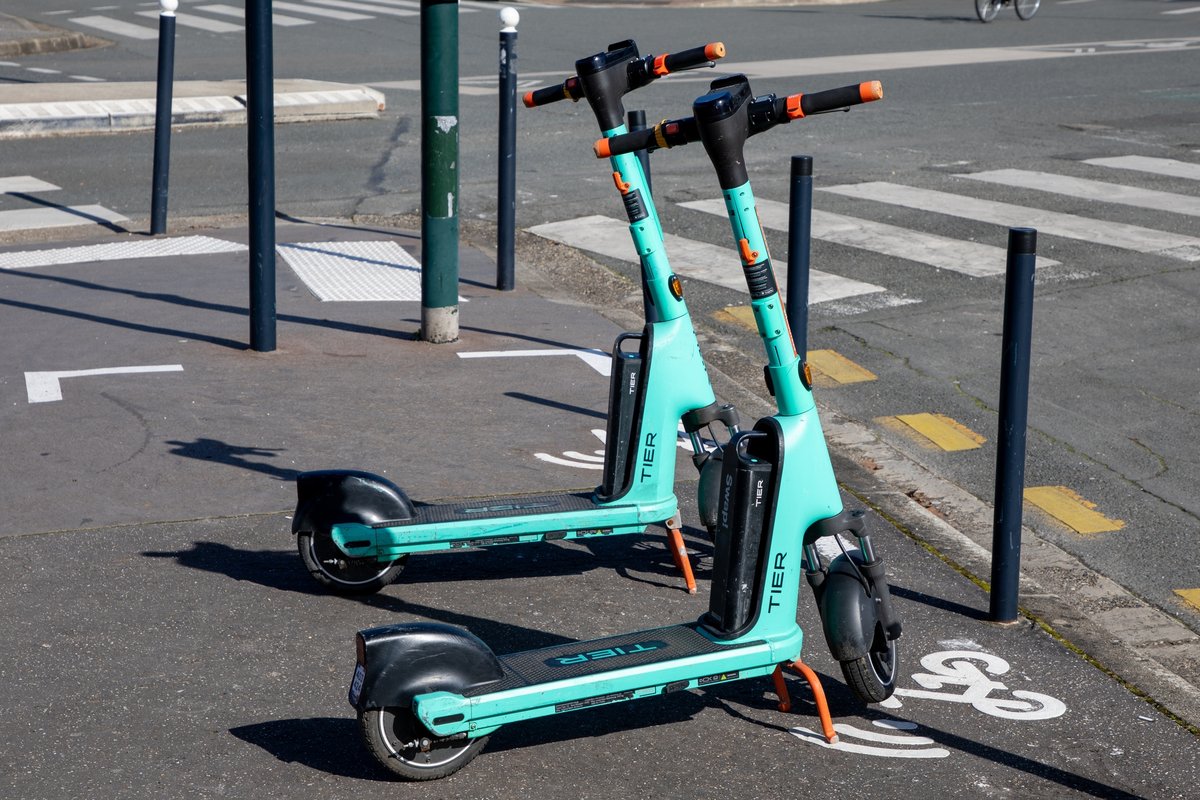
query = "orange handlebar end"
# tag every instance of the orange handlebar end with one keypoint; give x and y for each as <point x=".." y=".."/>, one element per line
<point x="528" y="99"/>
<point x="714" y="51"/>
<point x="870" y="90"/>
<point x="602" y="149"/>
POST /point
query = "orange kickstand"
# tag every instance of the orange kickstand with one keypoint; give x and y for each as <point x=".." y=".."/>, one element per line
<point x="785" y="700"/>
<point x="679" y="553"/>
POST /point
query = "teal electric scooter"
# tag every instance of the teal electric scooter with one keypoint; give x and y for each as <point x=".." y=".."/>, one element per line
<point x="355" y="530"/>
<point x="428" y="695"/>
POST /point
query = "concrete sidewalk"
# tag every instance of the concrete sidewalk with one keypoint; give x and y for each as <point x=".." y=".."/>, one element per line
<point x="161" y="630"/>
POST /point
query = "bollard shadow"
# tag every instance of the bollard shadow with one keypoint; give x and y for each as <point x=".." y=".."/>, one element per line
<point x="214" y="450"/>
<point x="75" y="212"/>
<point x="542" y="401"/>
<point x="939" y="603"/>
<point x="184" y="302"/>
<point x="394" y="234"/>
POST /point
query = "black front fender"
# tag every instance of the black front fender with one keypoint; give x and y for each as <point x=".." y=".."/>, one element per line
<point x="848" y="614"/>
<point x="331" y="497"/>
<point x="405" y="660"/>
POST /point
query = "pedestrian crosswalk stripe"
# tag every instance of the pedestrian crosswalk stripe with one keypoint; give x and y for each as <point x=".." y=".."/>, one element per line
<point x="110" y="25"/>
<point x="1085" y="189"/>
<point x="707" y="262"/>
<point x="282" y="20"/>
<point x="1169" y="167"/>
<point x="1070" y="509"/>
<point x="370" y="9"/>
<point x="30" y="218"/>
<point x="25" y="184"/>
<point x="968" y="258"/>
<point x="200" y="23"/>
<point x="331" y="13"/>
<point x="1052" y="223"/>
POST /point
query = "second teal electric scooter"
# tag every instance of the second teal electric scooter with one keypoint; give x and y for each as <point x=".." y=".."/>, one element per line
<point x="428" y="695"/>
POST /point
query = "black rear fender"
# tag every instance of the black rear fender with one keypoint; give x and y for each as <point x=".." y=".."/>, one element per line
<point x="405" y="660"/>
<point x="332" y="497"/>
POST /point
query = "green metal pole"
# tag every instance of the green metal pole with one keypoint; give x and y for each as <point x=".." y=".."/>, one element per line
<point x="439" y="170"/>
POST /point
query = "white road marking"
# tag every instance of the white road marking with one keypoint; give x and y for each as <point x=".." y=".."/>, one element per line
<point x="30" y="218"/>
<point x="119" y="251"/>
<point x="1096" y="191"/>
<point x="25" y="184"/>
<point x="1052" y="223"/>
<point x="319" y="12"/>
<point x="1189" y="10"/>
<point x="355" y="271"/>
<point x="909" y="746"/>
<point x="699" y="260"/>
<point x="596" y="359"/>
<point x="200" y="23"/>
<point x="1155" y="166"/>
<point x="110" y="25"/>
<point x="968" y="258"/>
<point x="372" y="9"/>
<point x="45" y="387"/>
<point x="281" y="20"/>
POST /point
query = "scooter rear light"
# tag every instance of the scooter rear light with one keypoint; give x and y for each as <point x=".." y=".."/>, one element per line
<point x="360" y="649"/>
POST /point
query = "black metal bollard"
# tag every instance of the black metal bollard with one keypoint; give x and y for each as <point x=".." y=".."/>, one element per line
<point x="260" y="113"/>
<point x="162" y="115"/>
<point x="637" y="122"/>
<point x="1014" y="414"/>
<point x="506" y="189"/>
<point x="799" y="244"/>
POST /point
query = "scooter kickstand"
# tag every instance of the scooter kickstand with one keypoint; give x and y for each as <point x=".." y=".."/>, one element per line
<point x="679" y="553"/>
<point x="785" y="699"/>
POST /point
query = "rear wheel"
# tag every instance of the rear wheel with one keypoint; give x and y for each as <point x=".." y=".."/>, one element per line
<point x="1027" y="8"/>
<point x="872" y="677"/>
<point x="335" y="570"/>
<point x="398" y="741"/>
<point x="987" y="10"/>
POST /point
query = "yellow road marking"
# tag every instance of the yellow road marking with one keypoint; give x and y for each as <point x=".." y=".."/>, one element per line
<point x="1070" y="509"/>
<point x="738" y="315"/>
<point x="839" y="368"/>
<point x="943" y="431"/>
<point x="1190" y="596"/>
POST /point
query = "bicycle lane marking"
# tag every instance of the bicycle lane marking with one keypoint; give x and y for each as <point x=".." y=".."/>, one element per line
<point x="961" y="682"/>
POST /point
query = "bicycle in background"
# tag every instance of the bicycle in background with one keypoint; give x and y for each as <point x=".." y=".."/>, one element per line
<point x="988" y="9"/>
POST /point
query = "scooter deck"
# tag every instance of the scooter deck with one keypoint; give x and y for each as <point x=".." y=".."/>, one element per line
<point x="580" y="659"/>
<point x="494" y="508"/>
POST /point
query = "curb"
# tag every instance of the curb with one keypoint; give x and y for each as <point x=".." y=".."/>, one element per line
<point x="59" y="109"/>
<point x="22" y="37"/>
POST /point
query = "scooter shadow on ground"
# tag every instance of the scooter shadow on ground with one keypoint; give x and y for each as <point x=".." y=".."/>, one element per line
<point x="325" y="744"/>
<point x="280" y="570"/>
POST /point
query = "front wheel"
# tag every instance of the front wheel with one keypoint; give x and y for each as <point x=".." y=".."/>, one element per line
<point x="872" y="677"/>
<point x="987" y="10"/>
<point x="1027" y="8"/>
<point x="334" y="570"/>
<point x="398" y="741"/>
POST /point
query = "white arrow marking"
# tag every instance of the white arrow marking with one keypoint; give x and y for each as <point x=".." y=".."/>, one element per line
<point x="44" y="387"/>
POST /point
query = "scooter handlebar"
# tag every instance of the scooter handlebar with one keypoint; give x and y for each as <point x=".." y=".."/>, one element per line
<point x="687" y="59"/>
<point x="570" y="89"/>
<point x="666" y="134"/>
<point x="803" y="105"/>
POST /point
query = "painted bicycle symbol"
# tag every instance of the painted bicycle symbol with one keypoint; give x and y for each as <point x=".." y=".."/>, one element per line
<point x="955" y="670"/>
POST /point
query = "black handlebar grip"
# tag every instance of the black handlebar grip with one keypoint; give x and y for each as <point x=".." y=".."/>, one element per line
<point x="688" y="59"/>
<point x="668" y="133"/>
<point x="802" y="105"/>
<point x="624" y="143"/>
<point x="567" y="90"/>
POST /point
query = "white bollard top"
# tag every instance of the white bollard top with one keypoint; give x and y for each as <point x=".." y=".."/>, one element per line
<point x="508" y="18"/>
<point x="167" y="7"/>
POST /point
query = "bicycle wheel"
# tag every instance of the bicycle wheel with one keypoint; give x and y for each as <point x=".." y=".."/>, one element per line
<point x="1027" y="8"/>
<point x="987" y="10"/>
